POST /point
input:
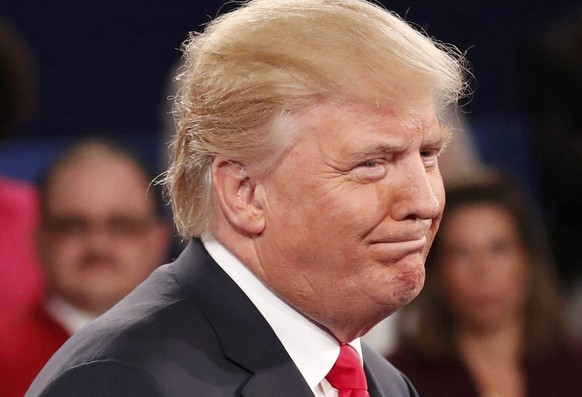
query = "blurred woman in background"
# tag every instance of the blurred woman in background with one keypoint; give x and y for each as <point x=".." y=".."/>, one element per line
<point x="488" y="322"/>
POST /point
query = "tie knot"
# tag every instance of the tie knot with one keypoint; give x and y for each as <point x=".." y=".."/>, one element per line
<point x="347" y="374"/>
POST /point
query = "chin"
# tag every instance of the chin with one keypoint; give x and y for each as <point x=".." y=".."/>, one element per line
<point x="410" y="284"/>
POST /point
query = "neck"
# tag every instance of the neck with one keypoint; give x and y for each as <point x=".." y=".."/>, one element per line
<point x="503" y="343"/>
<point x="296" y="291"/>
<point x="493" y="358"/>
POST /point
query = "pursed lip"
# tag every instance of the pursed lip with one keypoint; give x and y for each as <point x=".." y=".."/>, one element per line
<point x="401" y="245"/>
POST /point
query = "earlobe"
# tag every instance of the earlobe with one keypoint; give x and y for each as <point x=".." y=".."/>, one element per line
<point x="237" y="196"/>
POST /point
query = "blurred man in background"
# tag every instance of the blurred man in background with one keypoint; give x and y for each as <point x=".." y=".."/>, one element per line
<point x="100" y="235"/>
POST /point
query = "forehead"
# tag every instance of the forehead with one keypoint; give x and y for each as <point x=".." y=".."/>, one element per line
<point x="356" y="124"/>
<point x="476" y="220"/>
<point x="98" y="186"/>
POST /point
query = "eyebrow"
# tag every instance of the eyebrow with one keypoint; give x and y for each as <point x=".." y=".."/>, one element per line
<point x="383" y="148"/>
<point x="442" y="137"/>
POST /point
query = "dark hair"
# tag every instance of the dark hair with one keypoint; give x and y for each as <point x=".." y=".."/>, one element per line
<point x="433" y="331"/>
<point x="17" y="79"/>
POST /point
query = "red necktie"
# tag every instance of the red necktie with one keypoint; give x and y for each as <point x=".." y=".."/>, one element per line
<point x="347" y="374"/>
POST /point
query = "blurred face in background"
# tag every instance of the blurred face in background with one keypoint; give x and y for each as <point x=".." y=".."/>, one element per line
<point x="483" y="266"/>
<point x="100" y="236"/>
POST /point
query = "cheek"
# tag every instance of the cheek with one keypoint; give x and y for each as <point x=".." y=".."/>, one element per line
<point x="434" y="227"/>
<point x="62" y="261"/>
<point x="439" y="192"/>
<point x="517" y="278"/>
<point x="326" y="210"/>
<point x="438" y="188"/>
<point x="63" y="254"/>
<point x="455" y="283"/>
<point x="132" y="253"/>
<point x="148" y="249"/>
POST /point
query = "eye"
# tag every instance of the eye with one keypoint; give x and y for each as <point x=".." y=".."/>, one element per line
<point x="430" y="157"/>
<point x="370" y="163"/>
<point x="68" y="226"/>
<point x="128" y="226"/>
<point x="371" y="170"/>
<point x="501" y="247"/>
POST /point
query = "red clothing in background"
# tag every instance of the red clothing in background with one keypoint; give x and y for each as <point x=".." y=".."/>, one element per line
<point x="20" y="276"/>
<point x="28" y="339"/>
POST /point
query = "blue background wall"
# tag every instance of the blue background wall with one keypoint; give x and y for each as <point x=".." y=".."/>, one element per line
<point x="103" y="68"/>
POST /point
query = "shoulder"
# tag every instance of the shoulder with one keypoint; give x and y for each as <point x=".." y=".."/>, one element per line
<point x="410" y="360"/>
<point x="557" y="373"/>
<point x="435" y="376"/>
<point x="384" y="377"/>
<point x="155" y="310"/>
<point x="100" y="378"/>
<point x="157" y="334"/>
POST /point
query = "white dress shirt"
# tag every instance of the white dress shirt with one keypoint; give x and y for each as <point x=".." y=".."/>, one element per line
<point x="71" y="318"/>
<point x="312" y="349"/>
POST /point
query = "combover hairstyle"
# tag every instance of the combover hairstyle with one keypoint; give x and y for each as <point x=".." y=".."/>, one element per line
<point x="254" y="67"/>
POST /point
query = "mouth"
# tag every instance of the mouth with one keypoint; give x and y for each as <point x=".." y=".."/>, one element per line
<point x="98" y="264"/>
<point x="399" y="248"/>
<point x="413" y="242"/>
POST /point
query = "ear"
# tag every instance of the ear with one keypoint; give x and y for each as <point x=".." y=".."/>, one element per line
<point x="239" y="197"/>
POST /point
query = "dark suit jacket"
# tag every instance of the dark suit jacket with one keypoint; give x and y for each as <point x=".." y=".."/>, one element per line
<point x="187" y="331"/>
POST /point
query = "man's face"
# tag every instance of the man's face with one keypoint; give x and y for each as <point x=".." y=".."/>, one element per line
<point x="351" y="211"/>
<point x="100" y="237"/>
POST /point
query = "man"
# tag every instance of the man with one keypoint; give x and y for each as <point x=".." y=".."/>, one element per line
<point x="306" y="159"/>
<point x="99" y="237"/>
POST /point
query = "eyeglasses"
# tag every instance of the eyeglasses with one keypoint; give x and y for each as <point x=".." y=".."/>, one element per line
<point x="119" y="226"/>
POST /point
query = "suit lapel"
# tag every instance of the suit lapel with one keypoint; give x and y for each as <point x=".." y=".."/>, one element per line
<point x="246" y="337"/>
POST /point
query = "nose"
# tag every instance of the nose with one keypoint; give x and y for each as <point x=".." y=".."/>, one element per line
<point x="479" y="265"/>
<point x="98" y="238"/>
<point x="420" y="192"/>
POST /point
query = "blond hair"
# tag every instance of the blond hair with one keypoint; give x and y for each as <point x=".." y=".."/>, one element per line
<point x="252" y="67"/>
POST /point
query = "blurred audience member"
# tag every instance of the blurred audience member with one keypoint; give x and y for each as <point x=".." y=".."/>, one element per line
<point x="20" y="278"/>
<point x="488" y="321"/>
<point x="18" y="90"/>
<point x="100" y="235"/>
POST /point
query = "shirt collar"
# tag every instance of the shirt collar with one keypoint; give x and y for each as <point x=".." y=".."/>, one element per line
<point x="312" y="349"/>
<point x="71" y="318"/>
